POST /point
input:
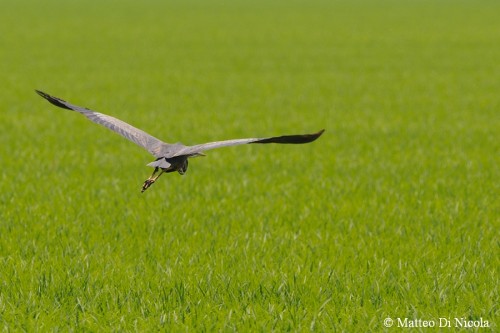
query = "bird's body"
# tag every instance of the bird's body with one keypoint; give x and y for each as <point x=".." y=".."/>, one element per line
<point x="169" y="157"/>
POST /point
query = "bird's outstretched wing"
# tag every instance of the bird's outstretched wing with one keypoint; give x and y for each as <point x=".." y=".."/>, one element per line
<point x="143" y="139"/>
<point x="287" y="139"/>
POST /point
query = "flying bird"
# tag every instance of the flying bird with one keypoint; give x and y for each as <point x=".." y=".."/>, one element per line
<point x="169" y="157"/>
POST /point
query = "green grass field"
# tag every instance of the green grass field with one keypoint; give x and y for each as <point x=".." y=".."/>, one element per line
<point x="393" y="213"/>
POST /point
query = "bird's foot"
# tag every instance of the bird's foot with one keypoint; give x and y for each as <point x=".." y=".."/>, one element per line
<point x="147" y="184"/>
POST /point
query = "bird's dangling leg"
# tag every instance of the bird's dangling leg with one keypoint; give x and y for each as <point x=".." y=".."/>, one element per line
<point x="151" y="179"/>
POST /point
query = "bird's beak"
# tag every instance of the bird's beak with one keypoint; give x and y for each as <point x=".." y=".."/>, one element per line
<point x="199" y="154"/>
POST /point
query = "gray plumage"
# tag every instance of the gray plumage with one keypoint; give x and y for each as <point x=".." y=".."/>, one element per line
<point x="169" y="157"/>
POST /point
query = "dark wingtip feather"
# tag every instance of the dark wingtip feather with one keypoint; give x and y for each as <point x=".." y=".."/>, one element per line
<point x="292" y="139"/>
<point x="306" y="138"/>
<point x="54" y="100"/>
<point x="319" y="134"/>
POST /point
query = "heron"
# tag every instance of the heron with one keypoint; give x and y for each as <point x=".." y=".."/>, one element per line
<point x="169" y="157"/>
